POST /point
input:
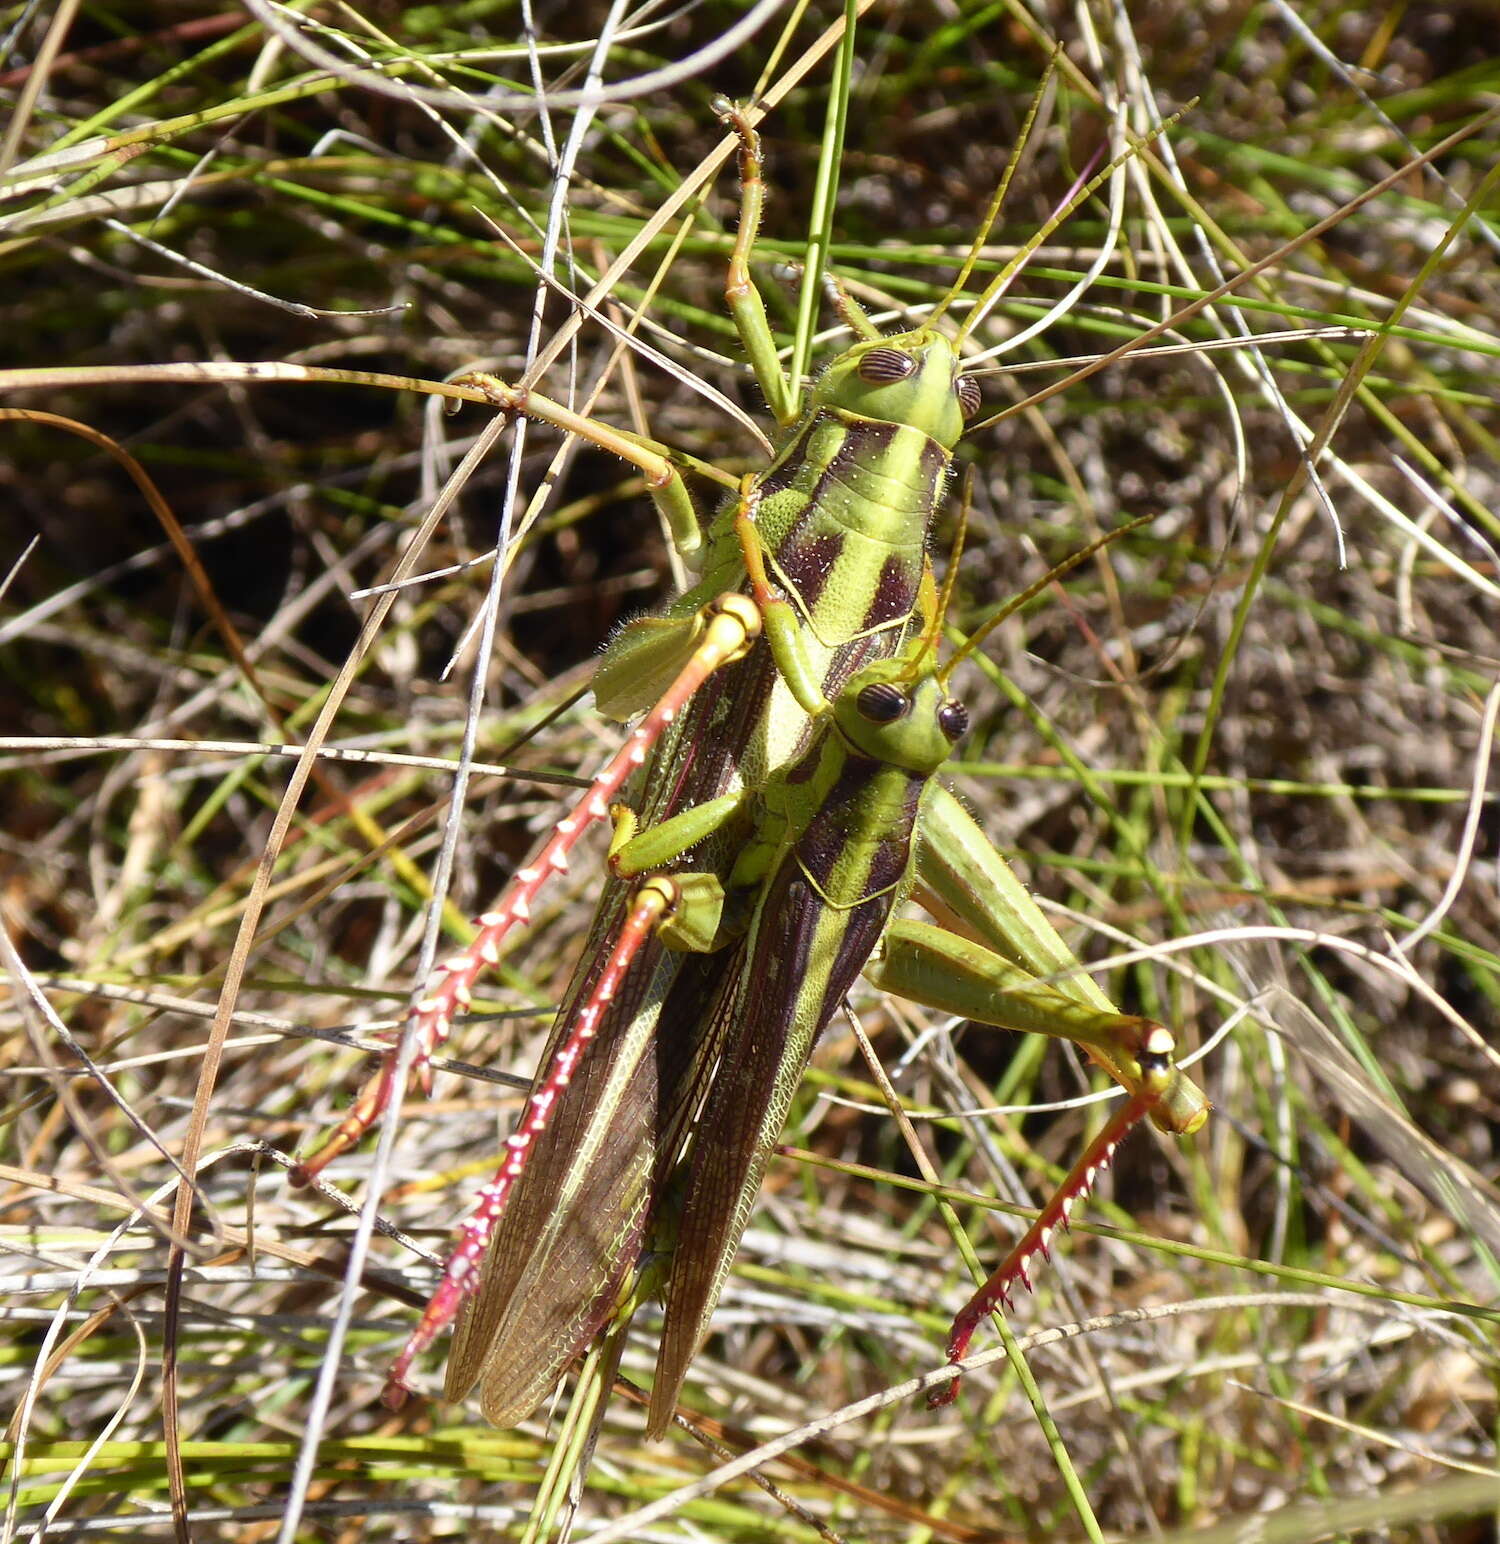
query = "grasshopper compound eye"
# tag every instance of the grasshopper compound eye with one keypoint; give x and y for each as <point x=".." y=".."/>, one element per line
<point x="881" y="366"/>
<point x="970" y="398"/>
<point x="953" y="720"/>
<point x="882" y="703"/>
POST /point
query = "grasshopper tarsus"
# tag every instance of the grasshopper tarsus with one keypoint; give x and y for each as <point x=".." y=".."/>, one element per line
<point x="365" y="1111"/>
<point x="945" y="1394"/>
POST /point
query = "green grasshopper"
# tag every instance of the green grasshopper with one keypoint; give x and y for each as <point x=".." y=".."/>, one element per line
<point x="770" y="945"/>
<point x="831" y="540"/>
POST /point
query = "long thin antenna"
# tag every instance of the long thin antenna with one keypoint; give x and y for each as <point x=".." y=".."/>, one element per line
<point x="998" y="284"/>
<point x="1014" y="604"/>
<point x="997" y="199"/>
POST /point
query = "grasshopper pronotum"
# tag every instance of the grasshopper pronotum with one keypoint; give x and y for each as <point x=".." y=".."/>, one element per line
<point x="665" y="1040"/>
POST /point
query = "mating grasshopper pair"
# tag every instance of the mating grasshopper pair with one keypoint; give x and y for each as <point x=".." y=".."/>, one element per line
<point x="783" y="803"/>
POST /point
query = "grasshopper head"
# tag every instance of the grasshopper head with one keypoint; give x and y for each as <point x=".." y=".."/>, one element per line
<point x="910" y="379"/>
<point x="908" y="721"/>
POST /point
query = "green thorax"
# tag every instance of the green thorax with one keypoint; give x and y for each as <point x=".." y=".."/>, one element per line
<point x="845" y="506"/>
<point x="845" y="510"/>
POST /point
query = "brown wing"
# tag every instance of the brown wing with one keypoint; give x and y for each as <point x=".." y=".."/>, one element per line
<point x="768" y="1019"/>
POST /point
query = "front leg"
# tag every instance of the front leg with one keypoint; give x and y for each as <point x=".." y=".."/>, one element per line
<point x="656" y="463"/>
